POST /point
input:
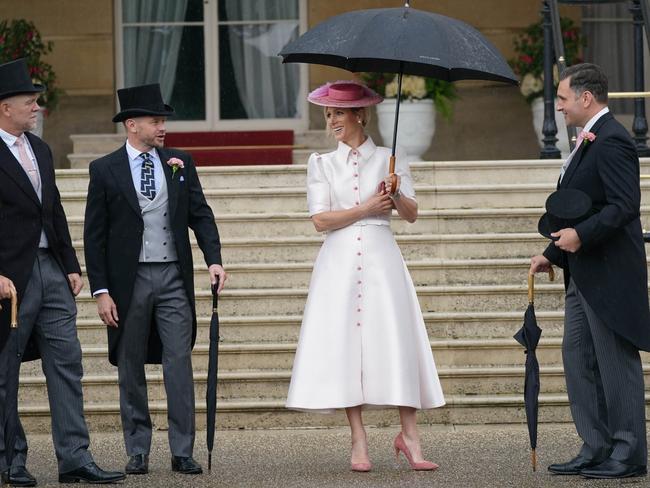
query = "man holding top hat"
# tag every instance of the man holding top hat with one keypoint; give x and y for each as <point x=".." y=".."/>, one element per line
<point x="142" y="199"/>
<point x="594" y="223"/>
<point x="37" y="256"/>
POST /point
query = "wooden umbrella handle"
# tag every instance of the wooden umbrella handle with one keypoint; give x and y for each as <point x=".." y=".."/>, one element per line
<point x="393" y="176"/>
<point x="531" y="288"/>
<point x="14" y="309"/>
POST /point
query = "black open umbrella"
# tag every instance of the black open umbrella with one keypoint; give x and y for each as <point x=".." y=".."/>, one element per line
<point x="213" y="364"/>
<point x="528" y="336"/>
<point x="403" y="41"/>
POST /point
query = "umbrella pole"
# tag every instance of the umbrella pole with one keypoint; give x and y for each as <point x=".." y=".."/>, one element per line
<point x="533" y="458"/>
<point x="531" y="288"/>
<point x="391" y="167"/>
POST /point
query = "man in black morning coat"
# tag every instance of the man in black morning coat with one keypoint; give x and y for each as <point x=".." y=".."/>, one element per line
<point x="142" y="201"/>
<point x="607" y="319"/>
<point x="36" y="254"/>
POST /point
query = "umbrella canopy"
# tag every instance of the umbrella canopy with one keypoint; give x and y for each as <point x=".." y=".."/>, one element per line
<point x="213" y="364"/>
<point x="403" y="41"/>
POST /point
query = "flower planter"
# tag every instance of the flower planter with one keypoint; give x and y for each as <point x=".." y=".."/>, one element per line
<point x="417" y="124"/>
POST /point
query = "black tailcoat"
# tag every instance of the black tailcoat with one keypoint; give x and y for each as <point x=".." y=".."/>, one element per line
<point x="610" y="268"/>
<point x="22" y="217"/>
<point x="113" y="230"/>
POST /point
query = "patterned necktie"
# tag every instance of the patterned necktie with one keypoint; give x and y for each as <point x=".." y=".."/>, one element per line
<point x="147" y="179"/>
<point x="27" y="163"/>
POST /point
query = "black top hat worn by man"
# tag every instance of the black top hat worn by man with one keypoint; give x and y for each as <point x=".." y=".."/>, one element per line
<point x="36" y="254"/>
<point x="607" y="319"/>
<point x="142" y="200"/>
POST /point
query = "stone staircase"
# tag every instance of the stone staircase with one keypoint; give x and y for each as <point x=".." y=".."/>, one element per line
<point x="468" y="254"/>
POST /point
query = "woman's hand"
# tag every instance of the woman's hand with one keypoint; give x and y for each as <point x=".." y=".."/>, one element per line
<point x="378" y="204"/>
<point x="388" y="181"/>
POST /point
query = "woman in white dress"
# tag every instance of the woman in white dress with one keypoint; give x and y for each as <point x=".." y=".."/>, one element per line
<point x="363" y="341"/>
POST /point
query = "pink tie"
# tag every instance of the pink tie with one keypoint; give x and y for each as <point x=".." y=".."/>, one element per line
<point x="27" y="163"/>
<point x="581" y="137"/>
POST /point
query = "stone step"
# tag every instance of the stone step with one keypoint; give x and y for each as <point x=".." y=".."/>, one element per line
<point x="425" y="272"/>
<point x="266" y="414"/>
<point x="256" y="200"/>
<point x="286" y="328"/>
<point x="413" y="248"/>
<point x="279" y="356"/>
<point x="443" y="221"/>
<point x="268" y="385"/>
<point x="427" y="173"/>
<point x="290" y="301"/>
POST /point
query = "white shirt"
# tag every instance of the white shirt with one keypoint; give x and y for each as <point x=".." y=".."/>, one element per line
<point x="10" y="141"/>
<point x="347" y="177"/>
<point x="586" y="128"/>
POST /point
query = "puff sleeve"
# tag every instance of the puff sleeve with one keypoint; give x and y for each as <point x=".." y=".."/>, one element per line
<point x="403" y="170"/>
<point x="318" y="188"/>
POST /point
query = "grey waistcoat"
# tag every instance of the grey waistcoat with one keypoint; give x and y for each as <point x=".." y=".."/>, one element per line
<point x="158" y="245"/>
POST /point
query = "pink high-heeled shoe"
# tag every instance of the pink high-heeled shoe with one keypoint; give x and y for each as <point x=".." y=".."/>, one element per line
<point x="400" y="445"/>
<point x="361" y="467"/>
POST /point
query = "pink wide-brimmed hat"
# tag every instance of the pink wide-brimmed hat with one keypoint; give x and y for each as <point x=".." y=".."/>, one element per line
<point x="344" y="94"/>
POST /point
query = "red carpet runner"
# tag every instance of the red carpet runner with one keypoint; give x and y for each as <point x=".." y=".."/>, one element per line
<point x="235" y="148"/>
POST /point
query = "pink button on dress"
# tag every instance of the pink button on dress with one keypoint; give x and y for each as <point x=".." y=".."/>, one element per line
<point x="363" y="340"/>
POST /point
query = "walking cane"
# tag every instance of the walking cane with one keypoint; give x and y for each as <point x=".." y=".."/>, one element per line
<point x="14" y="309"/>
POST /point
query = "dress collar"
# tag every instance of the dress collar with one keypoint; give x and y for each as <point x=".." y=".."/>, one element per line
<point x="365" y="150"/>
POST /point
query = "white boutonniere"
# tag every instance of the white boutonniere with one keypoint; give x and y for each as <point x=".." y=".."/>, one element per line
<point x="175" y="164"/>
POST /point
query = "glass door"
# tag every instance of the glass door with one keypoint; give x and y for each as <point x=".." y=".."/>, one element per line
<point x="216" y="60"/>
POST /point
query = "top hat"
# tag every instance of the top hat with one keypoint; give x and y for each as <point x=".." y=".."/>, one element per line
<point x="564" y="209"/>
<point x="344" y="94"/>
<point x="139" y="101"/>
<point x="15" y="79"/>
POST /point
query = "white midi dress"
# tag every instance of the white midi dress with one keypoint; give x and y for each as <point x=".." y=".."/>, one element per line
<point x="363" y="340"/>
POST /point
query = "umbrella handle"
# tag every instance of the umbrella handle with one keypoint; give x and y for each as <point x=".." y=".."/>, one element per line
<point x="14" y="309"/>
<point x="531" y="288"/>
<point x="393" y="176"/>
<point x="551" y="274"/>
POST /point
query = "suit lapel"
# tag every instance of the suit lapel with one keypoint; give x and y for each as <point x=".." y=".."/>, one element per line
<point x="121" y="170"/>
<point x="582" y="150"/>
<point x="15" y="171"/>
<point x="172" y="189"/>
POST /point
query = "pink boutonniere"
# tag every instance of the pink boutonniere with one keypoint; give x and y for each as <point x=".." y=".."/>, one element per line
<point x="176" y="164"/>
<point x="587" y="137"/>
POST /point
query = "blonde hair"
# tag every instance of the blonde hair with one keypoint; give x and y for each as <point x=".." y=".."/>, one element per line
<point x="362" y="112"/>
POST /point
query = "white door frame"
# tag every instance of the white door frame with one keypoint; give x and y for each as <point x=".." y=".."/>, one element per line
<point x="211" y="51"/>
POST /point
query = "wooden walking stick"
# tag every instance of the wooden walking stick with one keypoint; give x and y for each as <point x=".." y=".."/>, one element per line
<point x="14" y="309"/>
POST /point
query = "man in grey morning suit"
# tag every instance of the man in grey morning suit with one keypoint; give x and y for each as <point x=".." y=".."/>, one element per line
<point x="142" y="199"/>
<point x="607" y="318"/>
<point x="36" y="254"/>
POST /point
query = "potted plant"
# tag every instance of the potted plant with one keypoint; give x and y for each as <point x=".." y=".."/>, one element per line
<point x="420" y="100"/>
<point x="529" y="66"/>
<point x="19" y="38"/>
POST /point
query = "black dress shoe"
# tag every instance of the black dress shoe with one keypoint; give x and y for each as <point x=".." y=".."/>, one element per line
<point x="91" y="473"/>
<point x="186" y="465"/>
<point x="575" y="466"/>
<point x="611" y="468"/>
<point x="138" y="464"/>
<point x="18" y="476"/>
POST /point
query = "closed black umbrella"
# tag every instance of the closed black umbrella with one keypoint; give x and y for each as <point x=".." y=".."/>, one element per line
<point x="213" y="364"/>
<point x="403" y="41"/>
<point x="528" y="336"/>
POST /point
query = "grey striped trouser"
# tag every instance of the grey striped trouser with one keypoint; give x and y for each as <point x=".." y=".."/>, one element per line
<point x="604" y="380"/>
